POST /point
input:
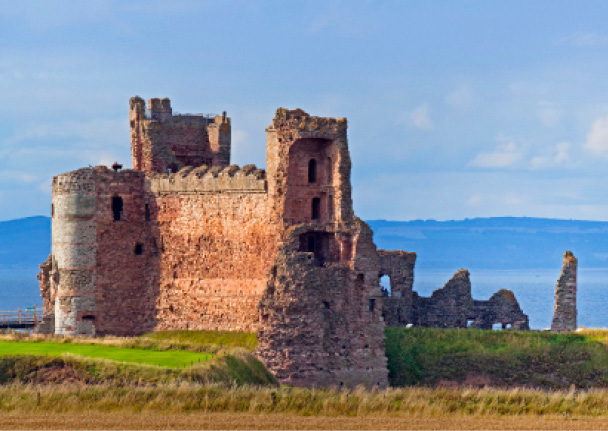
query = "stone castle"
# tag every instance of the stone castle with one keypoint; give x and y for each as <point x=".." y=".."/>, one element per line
<point x="185" y="240"/>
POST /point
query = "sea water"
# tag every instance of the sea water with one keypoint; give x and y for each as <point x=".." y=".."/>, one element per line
<point x="533" y="288"/>
<point x="19" y="289"/>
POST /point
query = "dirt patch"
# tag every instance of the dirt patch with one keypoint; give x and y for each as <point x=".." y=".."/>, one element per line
<point x="471" y="380"/>
<point x="59" y="373"/>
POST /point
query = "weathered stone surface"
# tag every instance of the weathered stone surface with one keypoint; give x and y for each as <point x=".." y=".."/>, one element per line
<point x="564" y="312"/>
<point x="47" y="291"/>
<point x="321" y="322"/>
<point x="453" y="307"/>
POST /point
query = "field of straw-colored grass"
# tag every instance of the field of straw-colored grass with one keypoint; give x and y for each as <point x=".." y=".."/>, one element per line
<point x="218" y="407"/>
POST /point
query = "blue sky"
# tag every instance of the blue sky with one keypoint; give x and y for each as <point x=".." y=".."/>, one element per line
<point x="456" y="108"/>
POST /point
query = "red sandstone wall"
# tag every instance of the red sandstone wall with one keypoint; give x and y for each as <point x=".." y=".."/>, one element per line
<point x="216" y="250"/>
<point x="300" y="191"/>
<point x="125" y="301"/>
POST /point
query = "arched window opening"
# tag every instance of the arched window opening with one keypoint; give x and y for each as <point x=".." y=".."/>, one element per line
<point x="117" y="208"/>
<point x="316" y="208"/>
<point x="311" y="244"/>
<point x="312" y="171"/>
<point x="385" y="285"/>
<point x="139" y="249"/>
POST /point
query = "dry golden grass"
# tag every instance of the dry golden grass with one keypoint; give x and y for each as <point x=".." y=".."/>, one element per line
<point x="392" y="403"/>
<point x="229" y="421"/>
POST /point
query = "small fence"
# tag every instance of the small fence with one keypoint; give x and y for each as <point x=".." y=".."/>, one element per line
<point x="28" y="318"/>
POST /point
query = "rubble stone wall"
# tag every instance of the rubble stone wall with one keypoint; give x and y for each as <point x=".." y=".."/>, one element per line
<point x="322" y="324"/>
<point x="452" y="306"/>
<point x="564" y="312"/>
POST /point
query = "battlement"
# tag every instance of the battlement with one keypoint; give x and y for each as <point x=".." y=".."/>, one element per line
<point x="300" y="121"/>
<point x="206" y="179"/>
<point x="163" y="141"/>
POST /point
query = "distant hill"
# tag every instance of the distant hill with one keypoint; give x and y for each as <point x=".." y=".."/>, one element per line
<point x="492" y="243"/>
<point x="496" y="243"/>
<point x="24" y="243"/>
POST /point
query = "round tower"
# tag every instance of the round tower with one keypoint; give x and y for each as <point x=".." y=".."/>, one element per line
<point x="75" y="250"/>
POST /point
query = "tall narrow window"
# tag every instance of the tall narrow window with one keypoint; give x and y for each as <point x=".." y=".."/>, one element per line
<point x="117" y="207"/>
<point x="312" y="171"/>
<point x="316" y="208"/>
<point x="330" y="170"/>
<point x="147" y="212"/>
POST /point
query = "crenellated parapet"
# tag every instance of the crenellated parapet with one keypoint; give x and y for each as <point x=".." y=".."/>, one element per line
<point x="205" y="179"/>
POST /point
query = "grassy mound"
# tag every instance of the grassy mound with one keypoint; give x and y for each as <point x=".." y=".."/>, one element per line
<point x="425" y="356"/>
<point x="233" y="367"/>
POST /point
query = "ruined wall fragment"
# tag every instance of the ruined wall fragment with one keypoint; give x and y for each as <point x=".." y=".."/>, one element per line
<point x="564" y="312"/>
<point x="47" y="291"/>
<point x="503" y="308"/>
<point x="322" y="323"/>
<point x="452" y="306"/>
<point x="448" y="307"/>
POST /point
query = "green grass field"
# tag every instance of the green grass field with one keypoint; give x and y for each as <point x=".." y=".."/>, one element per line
<point x="167" y="358"/>
<point x="425" y="356"/>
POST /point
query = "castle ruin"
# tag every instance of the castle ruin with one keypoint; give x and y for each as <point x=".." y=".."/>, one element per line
<point x="185" y="240"/>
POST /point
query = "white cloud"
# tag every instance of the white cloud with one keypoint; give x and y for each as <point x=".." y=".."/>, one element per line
<point x="557" y="156"/>
<point x="461" y="98"/>
<point x="505" y="155"/>
<point x="597" y="138"/>
<point x="420" y="117"/>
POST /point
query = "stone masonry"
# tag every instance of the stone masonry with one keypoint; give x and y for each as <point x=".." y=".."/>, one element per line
<point x="564" y="312"/>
